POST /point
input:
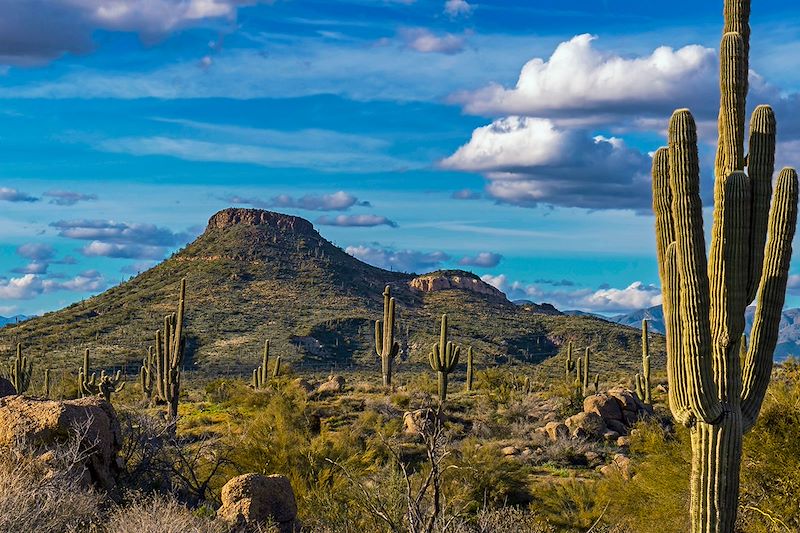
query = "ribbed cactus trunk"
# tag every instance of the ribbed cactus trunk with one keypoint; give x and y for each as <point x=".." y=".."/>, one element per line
<point x="711" y="391"/>
<point x="469" y="370"/>
<point x="385" y="345"/>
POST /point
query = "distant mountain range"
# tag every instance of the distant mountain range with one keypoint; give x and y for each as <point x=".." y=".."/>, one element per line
<point x="12" y="319"/>
<point x="788" y="334"/>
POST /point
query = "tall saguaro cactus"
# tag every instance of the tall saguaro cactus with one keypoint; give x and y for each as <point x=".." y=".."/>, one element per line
<point x="470" y="375"/>
<point x="711" y="391"/>
<point x="585" y="378"/>
<point x="161" y="373"/>
<point x="643" y="387"/>
<point x="20" y="371"/>
<point x="260" y="375"/>
<point x="569" y="364"/>
<point x="444" y="358"/>
<point x="385" y="345"/>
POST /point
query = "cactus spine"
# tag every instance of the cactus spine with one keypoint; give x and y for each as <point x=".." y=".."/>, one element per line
<point x="88" y="384"/>
<point x="469" y="369"/>
<point x="260" y="376"/>
<point x="643" y="387"/>
<point x="710" y="391"/>
<point x="277" y="370"/>
<point x="20" y="371"/>
<point x="385" y="345"/>
<point x="444" y="358"/>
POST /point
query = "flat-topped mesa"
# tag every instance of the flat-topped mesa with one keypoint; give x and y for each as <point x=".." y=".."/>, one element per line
<point x="453" y="279"/>
<point x="234" y="216"/>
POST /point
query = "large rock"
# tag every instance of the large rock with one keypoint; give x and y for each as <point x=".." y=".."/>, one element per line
<point x="414" y="421"/>
<point x="46" y="424"/>
<point x="604" y="405"/>
<point x="251" y="500"/>
<point x="334" y="385"/>
<point x="6" y="388"/>
<point x="627" y="399"/>
<point x="584" y="425"/>
<point x="556" y="431"/>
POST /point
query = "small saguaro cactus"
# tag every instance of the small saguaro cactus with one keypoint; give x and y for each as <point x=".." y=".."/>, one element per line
<point x="643" y="387"/>
<point x="107" y="385"/>
<point x="469" y="370"/>
<point x="569" y="364"/>
<point x="444" y="358"/>
<point x="260" y="376"/>
<point x="526" y="386"/>
<point x="385" y="345"/>
<point x="597" y="383"/>
<point x="277" y="370"/>
<point x="147" y="374"/>
<point x="710" y="390"/>
<point x="19" y="371"/>
<point x="585" y="377"/>
<point x="46" y="382"/>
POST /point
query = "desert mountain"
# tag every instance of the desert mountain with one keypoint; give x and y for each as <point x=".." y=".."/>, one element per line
<point x="255" y="275"/>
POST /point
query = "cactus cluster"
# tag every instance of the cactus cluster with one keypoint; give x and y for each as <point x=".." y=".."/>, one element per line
<point x="260" y="375"/>
<point x="160" y="376"/>
<point x="385" y="345"/>
<point x="711" y="390"/>
<point x="19" y="371"/>
<point x="89" y="385"/>
<point x="580" y="366"/>
<point x="444" y="358"/>
<point x="643" y="387"/>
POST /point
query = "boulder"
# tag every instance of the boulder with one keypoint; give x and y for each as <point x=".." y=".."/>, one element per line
<point x="616" y="425"/>
<point x="604" y="405"/>
<point x="413" y="421"/>
<point x="251" y="500"/>
<point x="625" y="398"/>
<point x="6" y="388"/>
<point x="586" y="425"/>
<point x="611" y="436"/>
<point x="623" y="441"/>
<point x="46" y="424"/>
<point x="509" y="451"/>
<point x="334" y="385"/>
<point x="621" y="465"/>
<point x="304" y="385"/>
<point x="556" y="431"/>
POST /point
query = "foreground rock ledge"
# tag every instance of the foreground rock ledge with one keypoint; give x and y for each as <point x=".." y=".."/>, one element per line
<point x="251" y="500"/>
<point x="46" y="424"/>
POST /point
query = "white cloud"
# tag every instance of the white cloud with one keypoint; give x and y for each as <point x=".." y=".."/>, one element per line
<point x="635" y="296"/>
<point x="122" y="251"/>
<point x="22" y="288"/>
<point x="424" y="41"/>
<point x="482" y="260"/>
<point x="36" y="251"/>
<point x="338" y="201"/>
<point x="529" y="161"/>
<point x="400" y="260"/>
<point x="357" y="221"/>
<point x="578" y="77"/>
<point x="32" y="285"/>
<point x="455" y="8"/>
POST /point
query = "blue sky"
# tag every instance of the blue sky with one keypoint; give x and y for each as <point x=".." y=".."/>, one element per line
<point x="508" y="138"/>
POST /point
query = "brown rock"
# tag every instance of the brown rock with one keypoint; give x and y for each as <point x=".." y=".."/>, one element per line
<point x="509" y="451"/>
<point x="253" y="499"/>
<point x="258" y="217"/>
<point x="617" y="426"/>
<point x="302" y="384"/>
<point x="333" y="385"/>
<point x="442" y="281"/>
<point x="413" y="421"/>
<point x="625" y="398"/>
<point x="604" y="405"/>
<point x="556" y="431"/>
<point x="46" y="424"/>
<point x="610" y="435"/>
<point x="6" y="388"/>
<point x="586" y="425"/>
<point x="623" y="441"/>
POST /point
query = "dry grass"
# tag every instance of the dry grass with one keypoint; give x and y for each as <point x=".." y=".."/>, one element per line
<point x="161" y="514"/>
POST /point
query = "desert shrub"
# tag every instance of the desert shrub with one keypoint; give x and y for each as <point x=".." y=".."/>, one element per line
<point x="160" y="514"/>
<point x="571" y="504"/>
<point x="46" y="493"/>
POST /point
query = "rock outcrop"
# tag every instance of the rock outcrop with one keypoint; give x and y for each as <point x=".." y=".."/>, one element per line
<point x="252" y="500"/>
<point x="256" y="217"/>
<point x="453" y="279"/>
<point x="335" y="384"/>
<point x="45" y="424"/>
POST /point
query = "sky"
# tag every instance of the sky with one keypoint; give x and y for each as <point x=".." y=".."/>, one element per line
<point x="512" y="139"/>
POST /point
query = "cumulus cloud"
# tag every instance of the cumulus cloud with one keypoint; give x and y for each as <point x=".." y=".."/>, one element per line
<point x="482" y="260"/>
<point x="338" y="201"/>
<point x="579" y="78"/>
<point x="13" y="195"/>
<point x="400" y="260"/>
<point x="22" y="288"/>
<point x="531" y="161"/>
<point x="28" y="35"/>
<point x="30" y="286"/>
<point x="455" y="8"/>
<point x="362" y="221"/>
<point x="68" y="197"/>
<point x="605" y="299"/>
<point x="36" y="251"/>
<point x="34" y="267"/>
<point x="120" y="239"/>
<point x="424" y="41"/>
